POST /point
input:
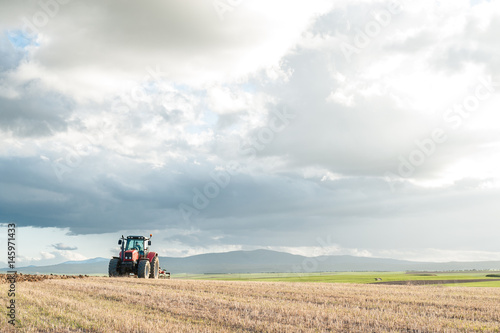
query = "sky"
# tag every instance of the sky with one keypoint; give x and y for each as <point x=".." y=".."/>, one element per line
<point x="367" y="128"/>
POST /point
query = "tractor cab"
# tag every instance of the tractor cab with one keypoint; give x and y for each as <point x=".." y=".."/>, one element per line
<point x="134" y="247"/>
<point x="137" y="244"/>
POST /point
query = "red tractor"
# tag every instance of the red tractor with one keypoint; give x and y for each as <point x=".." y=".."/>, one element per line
<point x="135" y="258"/>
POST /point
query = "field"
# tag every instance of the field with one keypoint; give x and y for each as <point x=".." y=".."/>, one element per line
<point x="455" y="279"/>
<point x="101" y="304"/>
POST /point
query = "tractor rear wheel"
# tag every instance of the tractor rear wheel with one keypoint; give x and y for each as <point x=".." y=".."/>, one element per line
<point x="113" y="267"/>
<point x="143" y="269"/>
<point x="155" y="268"/>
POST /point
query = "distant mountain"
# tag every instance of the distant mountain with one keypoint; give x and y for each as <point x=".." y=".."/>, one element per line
<point x="264" y="261"/>
<point x="88" y="261"/>
<point x="232" y="262"/>
<point x="99" y="267"/>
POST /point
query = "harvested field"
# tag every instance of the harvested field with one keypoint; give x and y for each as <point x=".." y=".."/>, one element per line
<point x="426" y="282"/>
<point x="135" y="305"/>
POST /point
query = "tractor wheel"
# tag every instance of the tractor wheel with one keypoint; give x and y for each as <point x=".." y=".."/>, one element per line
<point x="113" y="267"/>
<point x="143" y="269"/>
<point x="155" y="268"/>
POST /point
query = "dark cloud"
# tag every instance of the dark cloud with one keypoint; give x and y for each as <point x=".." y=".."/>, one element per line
<point x="258" y="210"/>
<point x="33" y="114"/>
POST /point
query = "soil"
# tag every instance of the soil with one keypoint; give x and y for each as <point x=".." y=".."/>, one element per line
<point x="35" y="277"/>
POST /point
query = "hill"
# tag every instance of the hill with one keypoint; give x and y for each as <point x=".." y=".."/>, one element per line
<point x="264" y="261"/>
<point x="88" y="261"/>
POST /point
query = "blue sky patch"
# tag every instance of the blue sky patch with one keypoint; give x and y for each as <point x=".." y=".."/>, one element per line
<point x="20" y="39"/>
<point x="477" y="2"/>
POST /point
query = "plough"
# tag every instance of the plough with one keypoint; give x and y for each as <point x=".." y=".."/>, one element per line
<point x="163" y="274"/>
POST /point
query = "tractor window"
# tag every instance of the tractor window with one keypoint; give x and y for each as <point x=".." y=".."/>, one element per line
<point x="134" y="244"/>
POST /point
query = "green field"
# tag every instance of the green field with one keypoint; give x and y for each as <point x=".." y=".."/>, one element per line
<point x="475" y="284"/>
<point x="348" y="277"/>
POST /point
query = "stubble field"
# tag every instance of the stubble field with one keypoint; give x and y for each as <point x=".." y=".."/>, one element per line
<point x="101" y="304"/>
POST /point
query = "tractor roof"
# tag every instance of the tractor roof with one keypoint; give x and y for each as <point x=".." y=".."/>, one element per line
<point x="136" y="237"/>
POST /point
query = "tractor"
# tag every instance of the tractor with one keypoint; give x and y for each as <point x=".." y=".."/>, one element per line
<point x="135" y="258"/>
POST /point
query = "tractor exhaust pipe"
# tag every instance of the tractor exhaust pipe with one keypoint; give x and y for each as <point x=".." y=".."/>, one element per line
<point x="123" y="252"/>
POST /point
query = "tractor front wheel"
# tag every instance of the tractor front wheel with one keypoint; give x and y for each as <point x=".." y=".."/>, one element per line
<point x="143" y="269"/>
<point x="155" y="268"/>
<point x="113" y="267"/>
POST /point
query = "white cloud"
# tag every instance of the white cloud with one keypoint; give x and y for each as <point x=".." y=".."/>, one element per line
<point x="64" y="247"/>
<point x="180" y="250"/>
<point x="47" y="255"/>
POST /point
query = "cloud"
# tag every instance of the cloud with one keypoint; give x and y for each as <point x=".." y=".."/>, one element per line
<point x="117" y="124"/>
<point x="33" y="115"/>
<point x="47" y="255"/>
<point x="61" y="246"/>
<point x="44" y="258"/>
<point x="186" y="41"/>
<point x="358" y="114"/>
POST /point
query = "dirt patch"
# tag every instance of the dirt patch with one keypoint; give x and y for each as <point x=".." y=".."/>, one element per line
<point x="35" y="278"/>
<point x="424" y="282"/>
